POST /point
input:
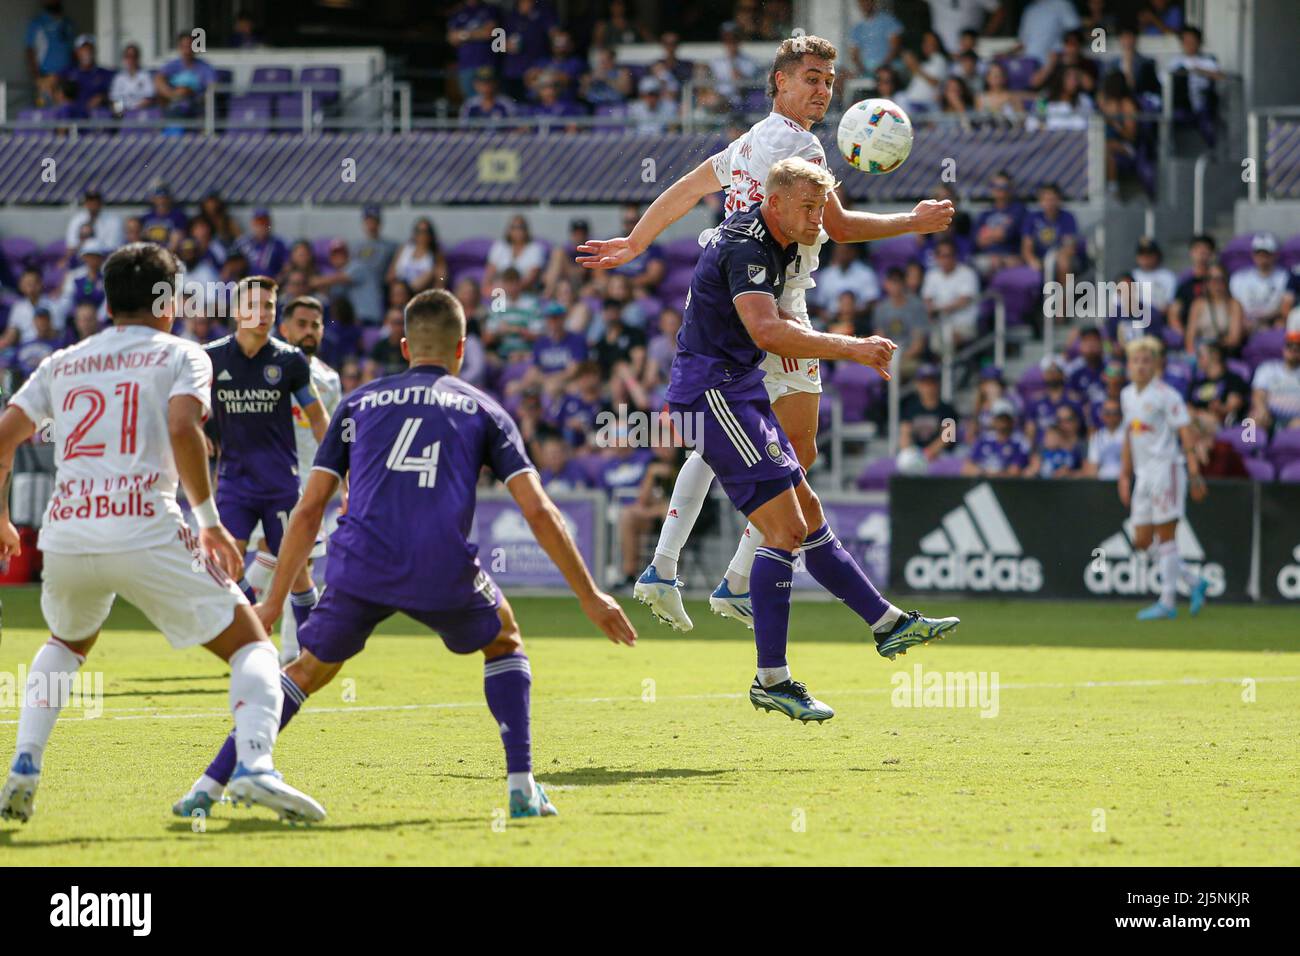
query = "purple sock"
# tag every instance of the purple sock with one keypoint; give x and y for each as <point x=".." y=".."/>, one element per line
<point x="833" y="568"/>
<point x="507" y="681"/>
<point x="769" y="589"/>
<point x="302" y="603"/>
<point x="224" y="765"/>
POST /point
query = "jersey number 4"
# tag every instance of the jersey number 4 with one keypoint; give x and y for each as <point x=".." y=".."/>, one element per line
<point x="76" y="446"/>
<point x="399" y="458"/>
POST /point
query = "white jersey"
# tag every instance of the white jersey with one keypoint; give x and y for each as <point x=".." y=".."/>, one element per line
<point x="330" y="390"/>
<point x="1152" y="418"/>
<point x="742" y="170"/>
<point x="107" y="399"/>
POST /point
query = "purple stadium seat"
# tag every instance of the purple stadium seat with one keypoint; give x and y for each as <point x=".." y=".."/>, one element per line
<point x="674" y="285"/>
<point x="1259" y="469"/>
<point x="474" y="273"/>
<point x="1020" y="71"/>
<point x="1289" y="253"/>
<point x="139" y="122"/>
<point x="29" y="120"/>
<point x="1236" y="253"/>
<point x="876" y="475"/>
<point x="54" y="251"/>
<point x="1235" y="437"/>
<point x="1021" y="289"/>
<point x="52" y="277"/>
<point x="610" y="110"/>
<point x="857" y="386"/>
<point x="271" y="75"/>
<point x="1240" y="367"/>
<point x="327" y="79"/>
<point x="946" y="466"/>
<point x="1284" y="447"/>
<point x="682" y="253"/>
<point x="468" y="253"/>
<point x="1264" y="345"/>
<point x="755" y="101"/>
<point x="288" y="109"/>
<point x="1030" y="385"/>
<point x="892" y="253"/>
<point x="250" y="113"/>
<point x="17" y="250"/>
<point x="320" y="249"/>
<point x="370" y="336"/>
<point x="1290" y="472"/>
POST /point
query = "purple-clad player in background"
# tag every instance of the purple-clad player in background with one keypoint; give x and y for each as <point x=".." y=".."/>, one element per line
<point x="731" y="321"/>
<point x="411" y="447"/>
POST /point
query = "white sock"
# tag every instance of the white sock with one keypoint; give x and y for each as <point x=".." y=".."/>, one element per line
<point x="209" y="786"/>
<point x="689" y="492"/>
<point x="261" y="571"/>
<point x="1171" y="567"/>
<point x="771" y="676"/>
<point x="742" y="562"/>
<point x="255" y="701"/>
<point x="887" y="622"/>
<point x="288" y="633"/>
<point x="520" y="781"/>
<point x="49" y="682"/>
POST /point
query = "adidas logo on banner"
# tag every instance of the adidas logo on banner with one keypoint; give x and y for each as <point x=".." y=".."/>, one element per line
<point x="974" y="549"/>
<point x="1117" y="568"/>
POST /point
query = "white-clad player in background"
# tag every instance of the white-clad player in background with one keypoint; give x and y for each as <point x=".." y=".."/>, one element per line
<point x="1157" y="459"/>
<point x="125" y="411"/>
<point x="302" y="323"/>
<point x="801" y="83"/>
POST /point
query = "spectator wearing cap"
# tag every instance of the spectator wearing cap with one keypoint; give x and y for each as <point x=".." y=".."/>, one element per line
<point x="574" y="413"/>
<point x="1157" y="280"/>
<point x="46" y="337"/>
<point x="518" y="250"/>
<point x="557" y="351"/>
<point x="368" y="268"/>
<point x="21" y="326"/>
<point x="876" y="40"/>
<point x="1043" y="25"/>
<point x="132" y="87"/>
<point x="469" y="31"/>
<point x="1191" y="286"/>
<point x="552" y="109"/>
<point x="734" y="69"/>
<point x="998" y="229"/>
<point x="1106" y="444"/>
<point x="1275" y="402"/>
<point x="1215" y="315"/>
<point x="561" y="264"/>
<point x="654" y="111"/>
<point x="1050" y="228"/>
<point x="951" y="293"/>
<point x="265" y="252"/>
<point x="1262" y="290"/>
<point x="900" y="316"/>
<point x="91" y="222"/>
<point x="162" y="218"/>
<point x="48" y="44"/>
<point x="1000" y="452"/>
<point x="1042" y="411"/>
<point x="92" y="80"/>
<point x="926" y="422"/>
<point x="486" y="103"/>
<point x="1201" y="71"/>
<point x="528" y="30"/>
<point x="86" y="282"/>
<point x="182" y="81"/>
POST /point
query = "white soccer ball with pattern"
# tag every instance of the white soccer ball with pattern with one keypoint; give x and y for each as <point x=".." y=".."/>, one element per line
<point x="875" y="136"/>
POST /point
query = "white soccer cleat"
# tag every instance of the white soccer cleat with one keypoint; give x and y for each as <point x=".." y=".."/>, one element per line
<point x="18" y="797"/>
<point x="738" y="607"/>
<point x="664" y="598"/>
<point x="268" y="789"/>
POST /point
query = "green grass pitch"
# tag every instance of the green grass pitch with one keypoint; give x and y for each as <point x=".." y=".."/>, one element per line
<point x="1114" y="743"/>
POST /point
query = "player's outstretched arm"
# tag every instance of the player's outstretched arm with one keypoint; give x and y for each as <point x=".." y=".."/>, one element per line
<point x="190" y="449"/>
<point x="299" y="538"/>
<point x="843" y="225"/>
<point x="15" y="428"/>
<point x="548" y="528"/>
<point x="773" y="333"/>
<point x="673" y="203"/>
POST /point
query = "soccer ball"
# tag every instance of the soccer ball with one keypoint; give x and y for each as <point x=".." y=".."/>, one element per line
<point x="875" y="136"/>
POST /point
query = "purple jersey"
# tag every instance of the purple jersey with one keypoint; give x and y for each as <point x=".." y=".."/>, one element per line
<point x="411" y="447"/>
<point x="1010" y="220"/>
<point x="992" y="454"/>
<point x="1043" y="411"/>
<point x="1048" y="233"/>
<point x="714" y="349"/>
<point x="473" y="16"/>
<point x="266" y="257"/>
<point x="556" y="355"/>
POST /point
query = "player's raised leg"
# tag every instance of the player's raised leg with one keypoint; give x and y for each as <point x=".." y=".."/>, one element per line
<point x="658" y="586"/>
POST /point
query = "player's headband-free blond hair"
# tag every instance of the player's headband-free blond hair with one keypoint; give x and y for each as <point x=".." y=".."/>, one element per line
<point x="434" y="324"/>
<point x="1147" y="343"/>
<point x="787" y="172"/>
<point x="791" y="53"/>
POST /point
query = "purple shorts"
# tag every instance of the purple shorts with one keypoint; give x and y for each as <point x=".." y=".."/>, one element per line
<point x="240" y="516"/>
<point x="742" y="442"/>
<point x="341" y="623"/>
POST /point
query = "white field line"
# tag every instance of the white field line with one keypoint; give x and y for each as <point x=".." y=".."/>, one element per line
<point x="140" y="713"/>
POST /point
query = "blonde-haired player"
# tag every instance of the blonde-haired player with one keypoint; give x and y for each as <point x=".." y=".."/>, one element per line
<point x="1157" y="460"/>
<point x="800" y="83"/>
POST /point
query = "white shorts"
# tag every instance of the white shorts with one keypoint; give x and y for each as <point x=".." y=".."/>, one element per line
<point x="781" y="376"/>
<point x="1159" y="494"/>
<point x="186" y="597"/>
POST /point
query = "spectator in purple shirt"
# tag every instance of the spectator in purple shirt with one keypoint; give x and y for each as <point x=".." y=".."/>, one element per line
<point x="65" y="103"/>
<point x="528" y="41"/>
<point x="1042" y="411"/>
<point x="1051" y="228"/>
<point x="182" y="81"/>
<point x="557" y="352"/>
<point x="266" y="252"/>
<point x="1000" y="452"/>
<point x="551" y="111"/>
<point x="1084" y="378"/>
<point x="555" y="465"/>
<point x="487" y="103"/>
<point x="563" y="65"/>
<point x="997" y="230"/>
<point x="469" y="30"/>
<point x="162" y="218"/>
<point x="92" y="80"/>
<point x="574" y="412"/>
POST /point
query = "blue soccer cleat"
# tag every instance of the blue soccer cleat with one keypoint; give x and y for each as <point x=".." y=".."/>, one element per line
<point x="1197" y="599"/>
<point x="790" y="698"/>
<point x="664" y="598"/>
<point x="912" y="629"/>
<point x="18" y="796"/>
<point x="538" y="805"/>
<point x="1157" y="612"/>
<point x="738" y="607"/>
<point x="196" y="804"/>
<point x="268" y="789"/>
